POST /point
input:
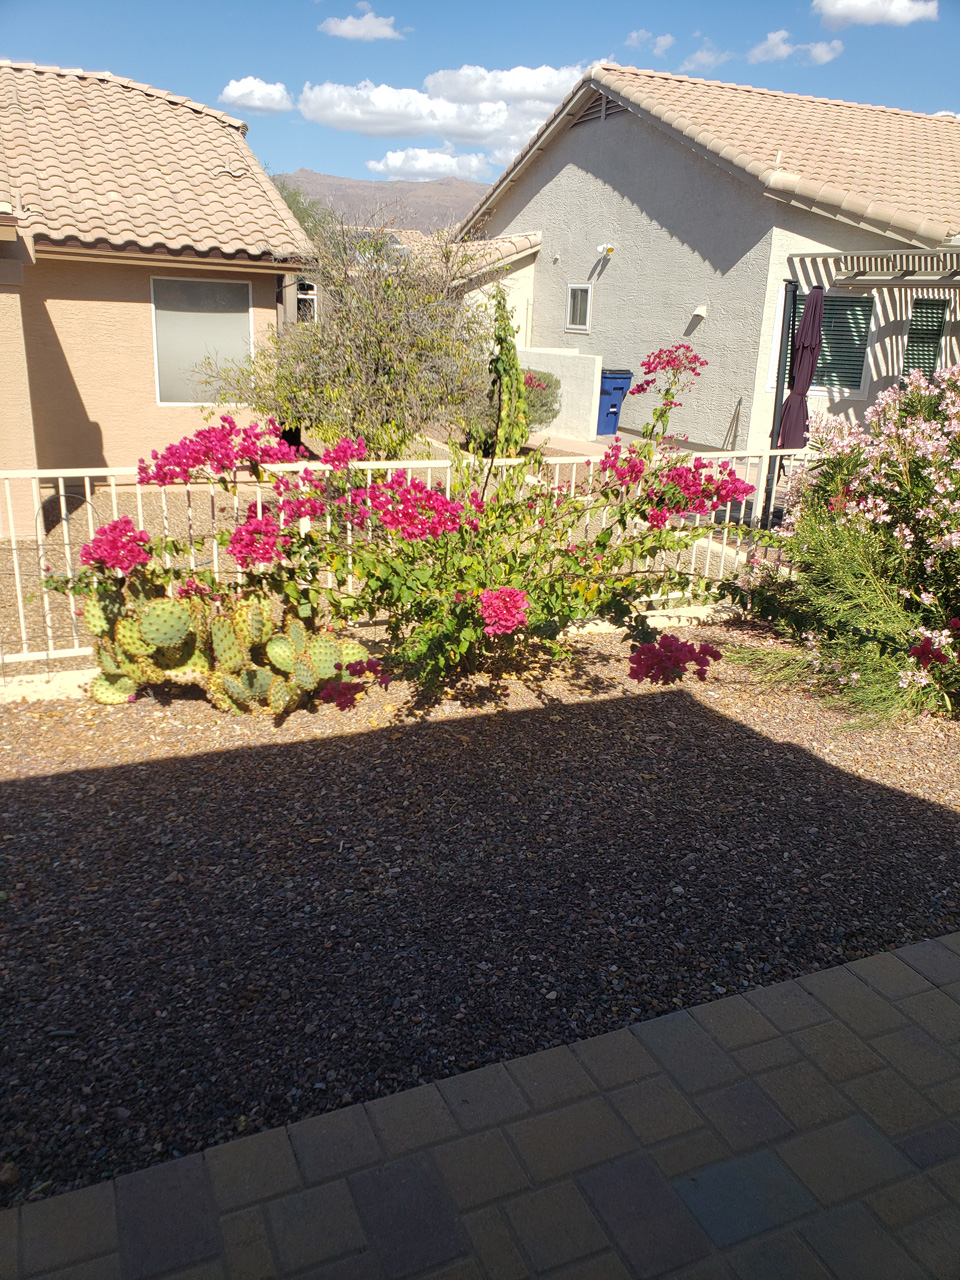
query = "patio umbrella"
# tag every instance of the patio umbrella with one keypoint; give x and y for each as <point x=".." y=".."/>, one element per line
<point x="806" y="350"/>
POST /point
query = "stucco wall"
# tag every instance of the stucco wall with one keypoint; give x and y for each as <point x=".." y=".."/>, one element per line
<point x="685" y="233"/>
<point x="89" y="339"/>
<point x="579" y="376"/>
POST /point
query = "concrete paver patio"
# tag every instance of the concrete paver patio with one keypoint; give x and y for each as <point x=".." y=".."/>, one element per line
<point x="797" y="1132"/>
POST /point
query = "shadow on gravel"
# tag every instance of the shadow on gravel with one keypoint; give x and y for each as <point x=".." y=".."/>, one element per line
<point x="201" y="947"/>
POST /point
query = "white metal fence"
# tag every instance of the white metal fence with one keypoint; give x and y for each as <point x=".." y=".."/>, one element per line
<point x="47" y="515"/>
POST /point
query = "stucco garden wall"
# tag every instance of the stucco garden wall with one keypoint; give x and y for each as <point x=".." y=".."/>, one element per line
<point x="579" y="376"/>
<point x="88" y="331"/>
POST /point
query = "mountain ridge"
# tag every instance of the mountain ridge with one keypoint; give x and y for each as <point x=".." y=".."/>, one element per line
<point x="418" y="206"/>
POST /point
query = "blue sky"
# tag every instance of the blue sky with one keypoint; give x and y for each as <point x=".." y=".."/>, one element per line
<point x="431" y="88"/>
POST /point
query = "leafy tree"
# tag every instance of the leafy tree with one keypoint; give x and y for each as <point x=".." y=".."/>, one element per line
<point x="397" y="347"/>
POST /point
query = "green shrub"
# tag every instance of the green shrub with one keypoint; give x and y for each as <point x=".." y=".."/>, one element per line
<point x="543" y="396"/>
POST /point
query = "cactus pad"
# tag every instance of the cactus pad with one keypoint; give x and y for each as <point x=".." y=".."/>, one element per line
<point x="258" y="681"/>
<point x="279" y="696"/>
<point x="231" y="653"/>
<point x="235" y="689"/>
<point x="112" y="690"/>
<point x="165" y="622"/>
<point x="352" y="651"/>
<point x="128" y="637"/>
<point x="297" y="633"/>
<point x="305" y="674"/>
<point x="94" y="618"/>
<point x="281" y="652"/>
<point x="217" y="694"/>
<point x="324" y="653"/>
<point x="106" y="656"/>
<point x="248" y="621"/>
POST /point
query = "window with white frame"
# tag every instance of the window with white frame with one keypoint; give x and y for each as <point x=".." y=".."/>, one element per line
<point x="578" y="307"/>
<point x="195" y="319"/>
<point x="306" y="300"/>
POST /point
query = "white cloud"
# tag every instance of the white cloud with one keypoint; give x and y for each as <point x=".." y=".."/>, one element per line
<point x="953" y="114"/>
<point x="420" y="163"/>
<point x="495" y="109"/>
<point x="367" y="27"/>
<point x="895" y="13"/>
<point x="256" y="95"/>
<point x="777" y="46"/>
<point x="636" y="40"/>
<point x="706" y="58"/>
<point x="519" y="84"/>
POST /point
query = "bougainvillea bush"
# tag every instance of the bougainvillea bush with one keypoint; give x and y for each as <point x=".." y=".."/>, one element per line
<point x="461" y="576"/>
<point x="872" y="532"/>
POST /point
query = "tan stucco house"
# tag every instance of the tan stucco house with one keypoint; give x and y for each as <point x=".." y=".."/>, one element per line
<point x="664" y="208"/>
<point x="138" y="234"/>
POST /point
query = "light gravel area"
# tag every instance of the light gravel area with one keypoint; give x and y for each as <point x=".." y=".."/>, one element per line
<point x="214" y="925"/>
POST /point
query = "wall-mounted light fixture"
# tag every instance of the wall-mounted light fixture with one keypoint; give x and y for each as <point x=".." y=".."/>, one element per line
<point x="606" y="249"/>
<point x="701" y="312"/>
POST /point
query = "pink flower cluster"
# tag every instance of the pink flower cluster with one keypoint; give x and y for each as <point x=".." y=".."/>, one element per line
<point x="191" y="587"/>
<point x="694" y="490"/>
<point x="504" y="610"/>
<point x="628" y="469"/>
<point x="297" y="498"/>
<point x="339" y="456"/>
<point x="257" y="542"/>
<point x="679" y="362"/>
<point x="118" y="545"/>
<point x="216" y="450"/>
<point x="406" y="507"/>
<point x="533" y="383"/>
<point x="666" y="661"/>
<point x="925" y="653"/>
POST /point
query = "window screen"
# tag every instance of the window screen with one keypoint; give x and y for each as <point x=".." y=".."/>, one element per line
<point x="578" y="308"/>
<point x="925" y="335"/>
<point x="196" y="319"/>
<point x="846" y="332"/>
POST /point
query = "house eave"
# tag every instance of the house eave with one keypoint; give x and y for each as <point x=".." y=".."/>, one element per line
<point x="136" y="255"/>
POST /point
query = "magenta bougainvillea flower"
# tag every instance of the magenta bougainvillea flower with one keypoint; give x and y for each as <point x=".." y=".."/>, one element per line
<point x="504" y="610"/>
<point x="118" y="545"/>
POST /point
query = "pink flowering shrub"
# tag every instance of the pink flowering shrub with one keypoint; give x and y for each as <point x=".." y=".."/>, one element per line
<point x="119" y="545"/>
<point x="872" y="530"/>
<point x="666" y="660"/>
<point x="462" y="572"/>
<point x="670" y="372"/>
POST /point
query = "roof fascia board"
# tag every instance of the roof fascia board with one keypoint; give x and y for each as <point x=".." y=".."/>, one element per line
<point x="119" y="257"/>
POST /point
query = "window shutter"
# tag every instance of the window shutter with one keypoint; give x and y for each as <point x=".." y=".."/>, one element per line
<point x="846" y="331"/>
<point x="925" y="335"/>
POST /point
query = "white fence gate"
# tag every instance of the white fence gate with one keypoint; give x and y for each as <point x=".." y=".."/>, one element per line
<point x="47" y="515"/>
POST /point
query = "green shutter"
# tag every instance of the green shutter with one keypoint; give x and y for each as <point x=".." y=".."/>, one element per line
<point x="925" y="335"/>
<point x="846" y="331"/>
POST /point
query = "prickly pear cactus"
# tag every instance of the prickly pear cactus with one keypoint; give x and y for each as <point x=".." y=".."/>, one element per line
<point x="165" y="622"/>
<point x="231" y="653"/>
<point x="218" y="695"/>
<point x="128" y="637"/>
<point x="281" y="652"/>
<point x="94" y="618"/>
<point x="112" y="690"/>
<point x="248" y="621"/>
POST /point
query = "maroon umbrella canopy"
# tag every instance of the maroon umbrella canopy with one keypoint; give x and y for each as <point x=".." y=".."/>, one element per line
<point x="806" y="350"/>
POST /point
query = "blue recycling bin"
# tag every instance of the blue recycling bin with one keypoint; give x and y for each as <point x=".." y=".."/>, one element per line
<point x="614" y="385"/>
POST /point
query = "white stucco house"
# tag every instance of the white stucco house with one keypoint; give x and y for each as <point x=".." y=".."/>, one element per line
<point x="661" y="208"/>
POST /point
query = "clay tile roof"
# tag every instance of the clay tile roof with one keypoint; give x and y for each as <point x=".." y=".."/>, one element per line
<point x="92" y="158"/>
<point x="896" y="172"/>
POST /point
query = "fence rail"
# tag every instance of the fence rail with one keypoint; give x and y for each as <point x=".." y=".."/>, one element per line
<point x="47" y="515"/>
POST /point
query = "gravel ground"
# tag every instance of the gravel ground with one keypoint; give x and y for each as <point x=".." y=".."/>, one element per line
<point x="214" y="925"/>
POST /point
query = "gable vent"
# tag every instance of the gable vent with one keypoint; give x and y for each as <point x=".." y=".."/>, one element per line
<point x="599" y="108"/>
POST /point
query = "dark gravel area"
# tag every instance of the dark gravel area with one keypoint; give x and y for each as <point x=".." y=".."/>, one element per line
<point x="214" y="926"/>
